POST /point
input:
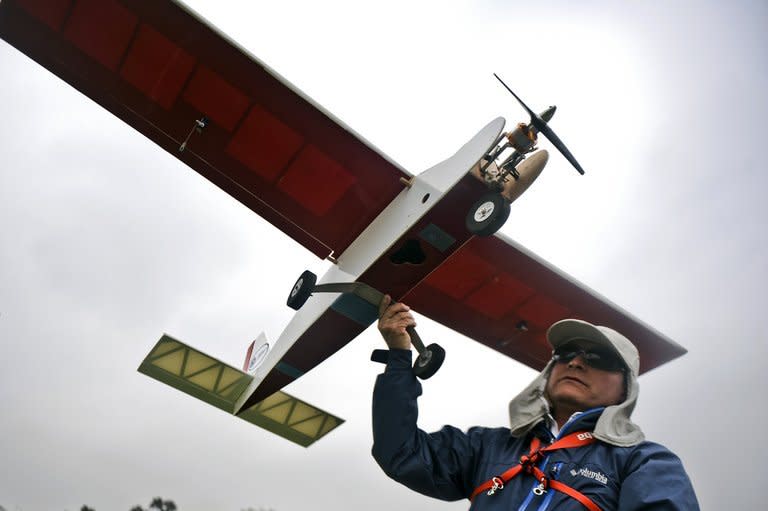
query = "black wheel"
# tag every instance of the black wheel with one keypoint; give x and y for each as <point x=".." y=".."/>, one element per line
<point x="429" y="361"/>
<point x="488" y="214"/>
<point x="302" y="289"/>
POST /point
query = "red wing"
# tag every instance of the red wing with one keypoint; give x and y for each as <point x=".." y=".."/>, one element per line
<point x="160" y="68"/>
<point x="497" y="293"/>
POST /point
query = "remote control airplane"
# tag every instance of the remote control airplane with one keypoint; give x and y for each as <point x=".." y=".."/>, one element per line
<point x="428" y="239"/>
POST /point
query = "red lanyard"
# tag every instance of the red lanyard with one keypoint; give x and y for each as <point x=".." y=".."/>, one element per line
<point x="528" y="464"/>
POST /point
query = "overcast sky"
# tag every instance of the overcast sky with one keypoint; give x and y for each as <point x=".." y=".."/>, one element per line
<point x="106" y="242"/>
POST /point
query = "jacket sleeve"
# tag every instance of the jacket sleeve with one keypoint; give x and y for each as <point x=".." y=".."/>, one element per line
<point x="656" y="479"/>
<point x="437" y="464"/>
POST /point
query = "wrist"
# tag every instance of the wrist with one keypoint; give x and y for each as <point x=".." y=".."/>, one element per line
<point x="399" y="359"/>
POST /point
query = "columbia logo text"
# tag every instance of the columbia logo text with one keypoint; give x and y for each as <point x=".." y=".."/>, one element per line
<point x="585" y="472"/>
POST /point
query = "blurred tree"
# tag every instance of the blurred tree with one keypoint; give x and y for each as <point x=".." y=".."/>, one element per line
<point x="158" y="504"/>
<point x="86" y="508"/>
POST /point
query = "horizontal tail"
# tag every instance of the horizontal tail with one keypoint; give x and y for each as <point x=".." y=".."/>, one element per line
<point x="210" y="380"/>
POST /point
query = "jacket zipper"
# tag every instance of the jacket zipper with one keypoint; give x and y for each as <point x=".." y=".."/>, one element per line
<point x="544" y="462"/>
<point x="554" y="474"/>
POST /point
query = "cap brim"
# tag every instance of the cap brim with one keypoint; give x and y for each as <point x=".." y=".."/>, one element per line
<point x="568" y="330"/>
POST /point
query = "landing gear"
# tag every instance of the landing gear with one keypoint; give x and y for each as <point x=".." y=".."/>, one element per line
<point x="430" y="357"/>
<point x="488" y="214"/>
<point x="427" y="363"/>
<point x="302" y="289"/>
<point x="429" y="360"/>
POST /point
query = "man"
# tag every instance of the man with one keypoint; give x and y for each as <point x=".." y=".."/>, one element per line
<point x="571" y="444"/>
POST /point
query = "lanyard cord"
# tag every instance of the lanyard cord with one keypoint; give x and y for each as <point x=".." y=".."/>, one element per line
<point x="528" y="464"/>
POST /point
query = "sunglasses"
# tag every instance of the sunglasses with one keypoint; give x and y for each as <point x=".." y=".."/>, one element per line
<point x="593" y="357"/>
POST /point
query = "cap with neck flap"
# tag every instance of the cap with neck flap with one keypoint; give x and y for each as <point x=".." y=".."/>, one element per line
<point x="614" y="425"/>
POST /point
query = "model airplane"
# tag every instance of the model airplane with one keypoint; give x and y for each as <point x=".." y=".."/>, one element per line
<point x="426" y="239"/>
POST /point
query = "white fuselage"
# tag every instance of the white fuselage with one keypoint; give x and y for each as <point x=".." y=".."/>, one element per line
<point x="424" y="192"/>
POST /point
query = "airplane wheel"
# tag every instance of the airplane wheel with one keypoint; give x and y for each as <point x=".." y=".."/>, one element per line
<point x="429" y="361"/>
<point x="302" y="290"/>
<point x="488" y="214"/>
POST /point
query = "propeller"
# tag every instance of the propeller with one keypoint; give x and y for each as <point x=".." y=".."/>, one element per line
<point x="543" y="128"/>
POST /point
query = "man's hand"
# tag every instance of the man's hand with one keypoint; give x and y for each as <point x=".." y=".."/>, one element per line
<point x="393" y="320"/>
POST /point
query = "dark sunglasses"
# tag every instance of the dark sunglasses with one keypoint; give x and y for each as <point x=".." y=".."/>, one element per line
<point x="593" y="357"/>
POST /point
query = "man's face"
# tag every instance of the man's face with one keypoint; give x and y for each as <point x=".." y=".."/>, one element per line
<point x="577" y="386"/>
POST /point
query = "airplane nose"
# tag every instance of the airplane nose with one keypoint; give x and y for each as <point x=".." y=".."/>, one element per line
<point x="532" y="166"/>
<point x="528" y="170"/>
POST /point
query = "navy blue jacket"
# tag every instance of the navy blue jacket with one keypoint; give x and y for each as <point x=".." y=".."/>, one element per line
<point x="450" y="464"/>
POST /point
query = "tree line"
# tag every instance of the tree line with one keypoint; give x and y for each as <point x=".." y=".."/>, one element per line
<point x="159" y="504"/>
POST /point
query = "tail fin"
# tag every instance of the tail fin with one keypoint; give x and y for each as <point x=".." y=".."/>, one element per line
<point x="257" y="352"/>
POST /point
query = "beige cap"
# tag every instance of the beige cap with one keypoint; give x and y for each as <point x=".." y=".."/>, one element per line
<point x="572" y="329"/>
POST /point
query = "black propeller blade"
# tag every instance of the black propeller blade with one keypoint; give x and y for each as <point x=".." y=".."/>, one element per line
<point x="541" y="125"/>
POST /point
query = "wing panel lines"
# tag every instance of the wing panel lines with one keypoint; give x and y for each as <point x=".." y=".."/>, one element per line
<point x="161" y="69"/>
<point x="522" y="296"/>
